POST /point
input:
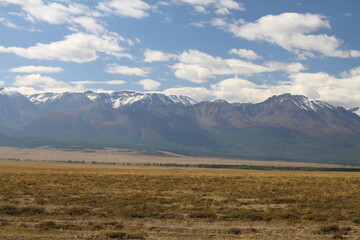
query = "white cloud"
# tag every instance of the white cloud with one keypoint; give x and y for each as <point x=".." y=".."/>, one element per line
<point x="199" y="24"/>
<point x="291" y="31"/>
<point x="35" y="83"/>
<point x="36" y="69"/>
<point x="197" y="93"/>
<point x="245" y="53"/>
<point x="149" y="84"/>
<point x="8" y="23"/>
<point x="222" y="7"/>
<point x="38" y="81"/>
<point x="157" y="56"/>
<point x="343" y="91"/>
<point x="24" y="90"/>
<point x="351" y="73"/>
<point x="339" y="91"/>
<point x="198" y="67"/>
<point x="218" y="22"/>
<point x="53" y="12"/>
<point x="193" y="73"/>
<point x="112" y="82"/>
<point x="239" y="90"/>
<point x="76" y="47"/>
<point x="126" y="8"/>
<point x="200" y="9"/>
<point x="90" y="24"/>
<point x="65" y="12"/>
<point x="2" y="83"/>
<point x="120" y="69"/>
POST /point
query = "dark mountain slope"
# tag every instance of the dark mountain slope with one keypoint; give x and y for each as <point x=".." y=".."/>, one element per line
<point x="285" y="127"/>
<point x="15" y="111"/>
<point x="301" y="114"/>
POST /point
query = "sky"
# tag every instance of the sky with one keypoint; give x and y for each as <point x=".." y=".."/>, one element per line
<point x="239" y="51"/>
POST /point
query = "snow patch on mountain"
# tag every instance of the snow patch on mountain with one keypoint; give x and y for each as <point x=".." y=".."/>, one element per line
<point x="303" y="102"/>
<point x="119" y="99"/>
<point x="125" y="98"/>
<point x="44" y="97"/>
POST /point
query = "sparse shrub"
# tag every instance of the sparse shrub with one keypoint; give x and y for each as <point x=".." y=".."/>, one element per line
<point x="106" y="225"/>
<point x="333" y="229"/>
<point x="134" y="215"/>
<point x="202" y="214"/>
<point x="4" y="222"/>
<point x="48" y="225"/>
<point x="356" y="220"/>
<point x="40" y="201"/>
<point x="9" y="210"/>
<point x="138" y="236"/>
<point x="329" y="229"/>
<point x="76" y="211"/>
<point x="338" y="236"/>
<point x="113" y="234"/>
<point x="254" y="217"/>
<point x="235" y="231"/>
<point x="32" y="210"/>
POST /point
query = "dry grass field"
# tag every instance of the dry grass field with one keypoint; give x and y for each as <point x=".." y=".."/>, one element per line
<point x="60" y="201"/>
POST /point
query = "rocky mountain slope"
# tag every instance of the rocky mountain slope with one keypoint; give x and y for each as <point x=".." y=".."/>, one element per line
<point x="287" y="127"/>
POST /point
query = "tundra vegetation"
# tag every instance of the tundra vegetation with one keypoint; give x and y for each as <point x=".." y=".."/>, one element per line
<point x="63" y="201"/>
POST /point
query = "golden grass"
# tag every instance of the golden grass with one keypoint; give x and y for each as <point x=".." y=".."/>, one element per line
<point x="59" y="201"/>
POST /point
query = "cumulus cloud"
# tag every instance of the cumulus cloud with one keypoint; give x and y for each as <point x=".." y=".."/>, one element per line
<point x="244" y="53"/>
<point x="38" y="80"/>
<point x="126" y="8"/>
<point x="76" y="47"/>
<point x="351" y="73"/>
<point x="222" y="7"/>
<point x="343" y="91"/>
<point x="291" y="31"/>
<point x="157" y="56"/>
<point x="53" y="13"/>
<point x="112" y="82"/>
<point x="339" y="91"/>
<point x="35" y="83"/>
<point x="90" y="24"/>
<point x="125" y="70"/>
<point x="198" y="67"/>
<point x="36" y="69"/>
<point x="197" y="93"/>
<point x="64" y="12"/>
<point x="149" y="84"/>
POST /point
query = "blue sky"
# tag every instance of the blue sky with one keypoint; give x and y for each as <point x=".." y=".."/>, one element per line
<point x="240" y="51"/>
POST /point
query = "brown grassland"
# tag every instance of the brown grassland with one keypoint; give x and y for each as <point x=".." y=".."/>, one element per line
<point x="69" y="201"/>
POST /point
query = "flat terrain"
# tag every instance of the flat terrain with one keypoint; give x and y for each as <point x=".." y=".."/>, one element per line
<point x="60" y="201"/>
<point x="120" y="156"/>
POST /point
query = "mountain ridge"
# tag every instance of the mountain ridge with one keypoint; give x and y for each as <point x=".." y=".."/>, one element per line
<point x="287" y="127"/>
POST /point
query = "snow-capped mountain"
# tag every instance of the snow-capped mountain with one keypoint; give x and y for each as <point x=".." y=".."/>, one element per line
<point x="113" y="99"/>
<point x="302" y="114"/>
<point x="285" y="126"/>
<point x="15" y="110"/>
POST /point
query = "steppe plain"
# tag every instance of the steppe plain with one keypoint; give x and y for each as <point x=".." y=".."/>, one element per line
<point x="42" y="200"/>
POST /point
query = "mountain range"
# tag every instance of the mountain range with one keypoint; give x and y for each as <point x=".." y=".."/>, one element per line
<point x="285" y="127"/>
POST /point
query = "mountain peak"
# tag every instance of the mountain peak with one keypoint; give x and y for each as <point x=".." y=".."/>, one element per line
<point x="9" y="93"/>
<point x="300" y="101"/>
<point x="115" y="99"/>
